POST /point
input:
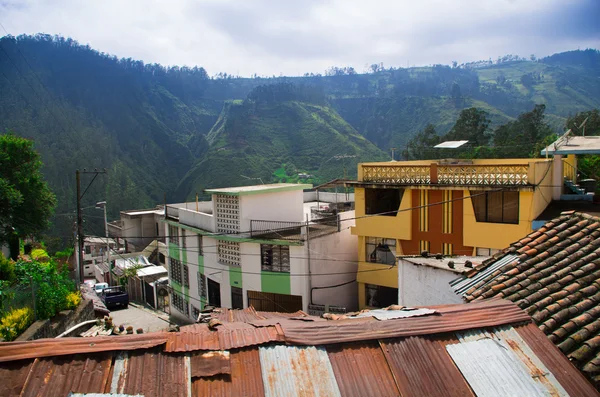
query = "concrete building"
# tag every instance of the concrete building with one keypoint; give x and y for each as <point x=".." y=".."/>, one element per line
<point x="449" y="207"/>
<point x="95" y="253"/>
<point x="273" y="247"/>
<point x="138" y="228"/>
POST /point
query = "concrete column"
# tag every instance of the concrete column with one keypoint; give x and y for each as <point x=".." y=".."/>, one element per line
<point x="557" y="177"/>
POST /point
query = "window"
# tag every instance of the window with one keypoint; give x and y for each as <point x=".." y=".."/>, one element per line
<point x="383" y="201"/>
<point x="179" y="303"/>
<point x="379" y="296"/>
<point x="183" y="238"/>
<point x="214" y="293"/>
<point x="174" y="234"/>
<point x="175" y="266"/>
<point x="199" y="244"/>
<point x="186" y="276"/>
<point x="229" y="253"/>
<point x="195" y="312"/>
<point x="275" y="258"/>
<point x="157" y="233"/>
<point x="496" y="207"/>
<point x="380" y="250"/>
<point x="486" y="251"/>
<point x="201" y="285"/>
<point x="237" y="298"/>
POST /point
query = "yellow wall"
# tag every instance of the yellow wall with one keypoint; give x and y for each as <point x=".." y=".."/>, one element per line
<point x="397" y="227"/>
<point x="376" y="274"/>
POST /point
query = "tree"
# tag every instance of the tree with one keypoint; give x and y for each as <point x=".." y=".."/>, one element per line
<point x="420" y="147"/>
<point x="472" y="125"/>
<point x="591" y="127"/>
<point x="26" y="202"/>
<point x="524" y="137"/>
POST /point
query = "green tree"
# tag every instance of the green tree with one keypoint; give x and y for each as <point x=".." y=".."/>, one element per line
<point x="26" y="202"/>
<point x="524" y="137"/>
<point x="472" y="125"/>
<point x="420" y="147"/>
<point x="591" y="126"/>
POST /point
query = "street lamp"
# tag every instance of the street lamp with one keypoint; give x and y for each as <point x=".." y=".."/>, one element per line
<point x="102" y="205"/>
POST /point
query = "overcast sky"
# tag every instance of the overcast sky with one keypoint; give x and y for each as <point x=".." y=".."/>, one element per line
<point x="291" y="37"/>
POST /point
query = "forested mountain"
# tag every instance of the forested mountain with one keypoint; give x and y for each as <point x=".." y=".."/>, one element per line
<point x="177" y="131"/>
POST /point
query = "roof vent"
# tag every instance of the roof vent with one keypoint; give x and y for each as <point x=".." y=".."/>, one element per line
<point x="425" y="254"/>
<point x="468" y="264"/>
<point x="451" y="264"/>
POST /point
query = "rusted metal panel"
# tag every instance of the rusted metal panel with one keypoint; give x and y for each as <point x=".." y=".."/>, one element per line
<point x="569" y="377"/>
<point x="245" y="378"/>
<point x="227" y="336"/>
<point x="362" y="370"/>
<point x="384" y="314"/>
<point x="57" y="376"/>
<point x="502" y="373"/>
<point x="152" y="373"/>
<point x="522" y="357"/>
<point x="13" y="375"/>
<point x="210" y="363"/>
<point x="11" y="351"/>
<point x="448" y="319"/>
<point x="422" y="367"/>
<point x="297" y="371"/>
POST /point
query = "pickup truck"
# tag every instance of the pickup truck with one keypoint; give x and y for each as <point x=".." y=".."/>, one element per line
<point x="114" y="297"/>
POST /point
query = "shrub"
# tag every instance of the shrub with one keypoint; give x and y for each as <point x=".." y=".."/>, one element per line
<point x="39" y="254"/>
<point x="73" y="300"/>
<point x="7" y="269"/>
<point x="15" y="322"/>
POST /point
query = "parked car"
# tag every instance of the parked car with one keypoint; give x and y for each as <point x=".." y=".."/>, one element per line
<point x="114" y="297"/>
<point x="99" y="287"/>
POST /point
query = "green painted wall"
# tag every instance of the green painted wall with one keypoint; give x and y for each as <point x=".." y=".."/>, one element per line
<point x="184" y="256"/>
<point x="235" y="277"/>
<point x="201" y="264"/>
<point x="174" y="251"/>
<point x="176" y="287"/>
<point x="278" y="283"/>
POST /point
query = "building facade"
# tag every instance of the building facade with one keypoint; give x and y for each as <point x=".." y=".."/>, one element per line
<point x="447" y="207"/>
<point x="269" y="246"/>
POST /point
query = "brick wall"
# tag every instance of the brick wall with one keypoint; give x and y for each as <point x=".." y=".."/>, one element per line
<point x="60" y="323"/>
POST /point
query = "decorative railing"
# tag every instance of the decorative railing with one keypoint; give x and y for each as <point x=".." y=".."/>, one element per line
<point x="396" y="174"/>
<point x="276" y="229"/>
<point x="569" y="172"/>
<point x="483" y="175"/>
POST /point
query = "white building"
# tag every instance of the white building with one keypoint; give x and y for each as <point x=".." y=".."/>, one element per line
<point x="138" y="228"/>
<point x="249" y="246"/>
<point x="95" y="252"/>
<point x="426" y="281"/>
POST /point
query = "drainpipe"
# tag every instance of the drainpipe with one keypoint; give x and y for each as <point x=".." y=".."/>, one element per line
<point x="308" y="257"/>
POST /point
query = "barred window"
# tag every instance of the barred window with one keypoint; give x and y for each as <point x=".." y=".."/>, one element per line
<point x="199" y="244"/>
<point x="195" y="313"/>
<point x="179" y="303"/>
<point x="201" y="285"/>
<point x="275" y="258"/>
<point x="175" y="270"/>
<point x="186" y="276"/>
<point x="229" y="253"/>
<point x="174" y="234"/>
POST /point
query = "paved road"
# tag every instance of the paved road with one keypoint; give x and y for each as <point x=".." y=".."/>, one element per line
<point x="139" y="317"/>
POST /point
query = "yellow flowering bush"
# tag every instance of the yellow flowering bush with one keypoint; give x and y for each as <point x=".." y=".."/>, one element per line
<point x="15" y="322"/>
<point x="73" y="300"/>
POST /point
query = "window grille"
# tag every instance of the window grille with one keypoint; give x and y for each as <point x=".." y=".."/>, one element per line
<point x="175" y="270"/>
<point x="229" y="253"/>
<point x="275" y="258"/>
<point x="174" y="234"/>
<point x="186" y="276"/>
<point x="202" y="285"/>
<point x="227" y="213"/>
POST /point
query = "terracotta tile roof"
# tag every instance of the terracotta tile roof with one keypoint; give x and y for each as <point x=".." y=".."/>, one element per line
<point x="556" y="280"/>
<point x="355" y="357"/>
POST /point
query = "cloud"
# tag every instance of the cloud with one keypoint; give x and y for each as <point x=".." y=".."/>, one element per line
<point x="271" y="37"/>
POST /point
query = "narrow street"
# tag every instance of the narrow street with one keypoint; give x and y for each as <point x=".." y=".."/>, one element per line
<point x="139" y="317"/>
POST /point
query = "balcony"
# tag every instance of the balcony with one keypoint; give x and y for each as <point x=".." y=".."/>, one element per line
<point x="475" y="173"/>
<point x="294" y="231"/>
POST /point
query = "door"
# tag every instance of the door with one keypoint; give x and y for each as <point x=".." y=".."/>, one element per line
<point x="214" y="293"/>
<point x="237" y="298"/>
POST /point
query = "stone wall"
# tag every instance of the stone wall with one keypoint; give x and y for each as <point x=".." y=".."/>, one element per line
<point x="60" y="323"/>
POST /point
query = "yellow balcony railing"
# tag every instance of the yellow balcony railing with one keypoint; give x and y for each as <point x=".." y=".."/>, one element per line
<point x="396" y="174"/>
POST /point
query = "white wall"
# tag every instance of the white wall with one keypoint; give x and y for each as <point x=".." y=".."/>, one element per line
<point x="277" y="206"/>
<point x="420" y="285"/>
<point x="299" y="285"/>
<point x="199" y="220"/>
<point x="329" y="197"/>
<point x="251" y="263"/>
<point x="216" y="271"/>
<point x="329" y="255"/>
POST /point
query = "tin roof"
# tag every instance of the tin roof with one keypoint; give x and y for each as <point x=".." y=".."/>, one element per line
<point x="353" y="357"/>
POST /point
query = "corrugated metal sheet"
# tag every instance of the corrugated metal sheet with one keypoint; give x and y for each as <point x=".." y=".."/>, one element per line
<point x="510" y="339"/>
<point x="569" y="377"/>
<point x="58" y="376"/>
<point x="10" y="351"/>
<point x="503" y="373"/>
<point x="245" y="379"/>
<point x="354" y="366"/>
<point x="152" y="374"/>
<point x="448" y="319"/>
<point x="297" y="371"/>
<point x="13" y="375"/>
<point x="422" y="367"/>
<point x="210" y="363"/>
<point x="383" y="314"/>
<point x="462" y="285"/>
<point x="226" y="336"/>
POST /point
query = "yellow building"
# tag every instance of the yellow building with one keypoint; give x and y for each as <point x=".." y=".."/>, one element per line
<point x="450" y="207"/>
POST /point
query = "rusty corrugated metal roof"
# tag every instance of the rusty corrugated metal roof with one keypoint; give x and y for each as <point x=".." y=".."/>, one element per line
<point x="422" y="367"/>
<point x="10" y="351"/>
<point x="297" y="371"/>
<point x="245" y="378"/>
<point x="226" y="336"/>
<point x="354" y="366"/>
<point x="447" y="319"/>
<point x="13" y="375"/>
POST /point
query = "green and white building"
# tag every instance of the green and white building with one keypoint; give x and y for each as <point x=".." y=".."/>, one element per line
<point x="274" y="247"/>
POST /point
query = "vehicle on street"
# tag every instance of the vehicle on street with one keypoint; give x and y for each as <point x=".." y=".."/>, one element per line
<point x="115" y="297"/>
<point x="99" y="287"/>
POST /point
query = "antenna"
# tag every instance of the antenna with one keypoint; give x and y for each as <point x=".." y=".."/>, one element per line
<point x="583" y="125"/>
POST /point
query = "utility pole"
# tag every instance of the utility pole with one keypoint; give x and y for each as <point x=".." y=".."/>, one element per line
<point x="393" y="150"/>
<point x="80" y="237"/>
